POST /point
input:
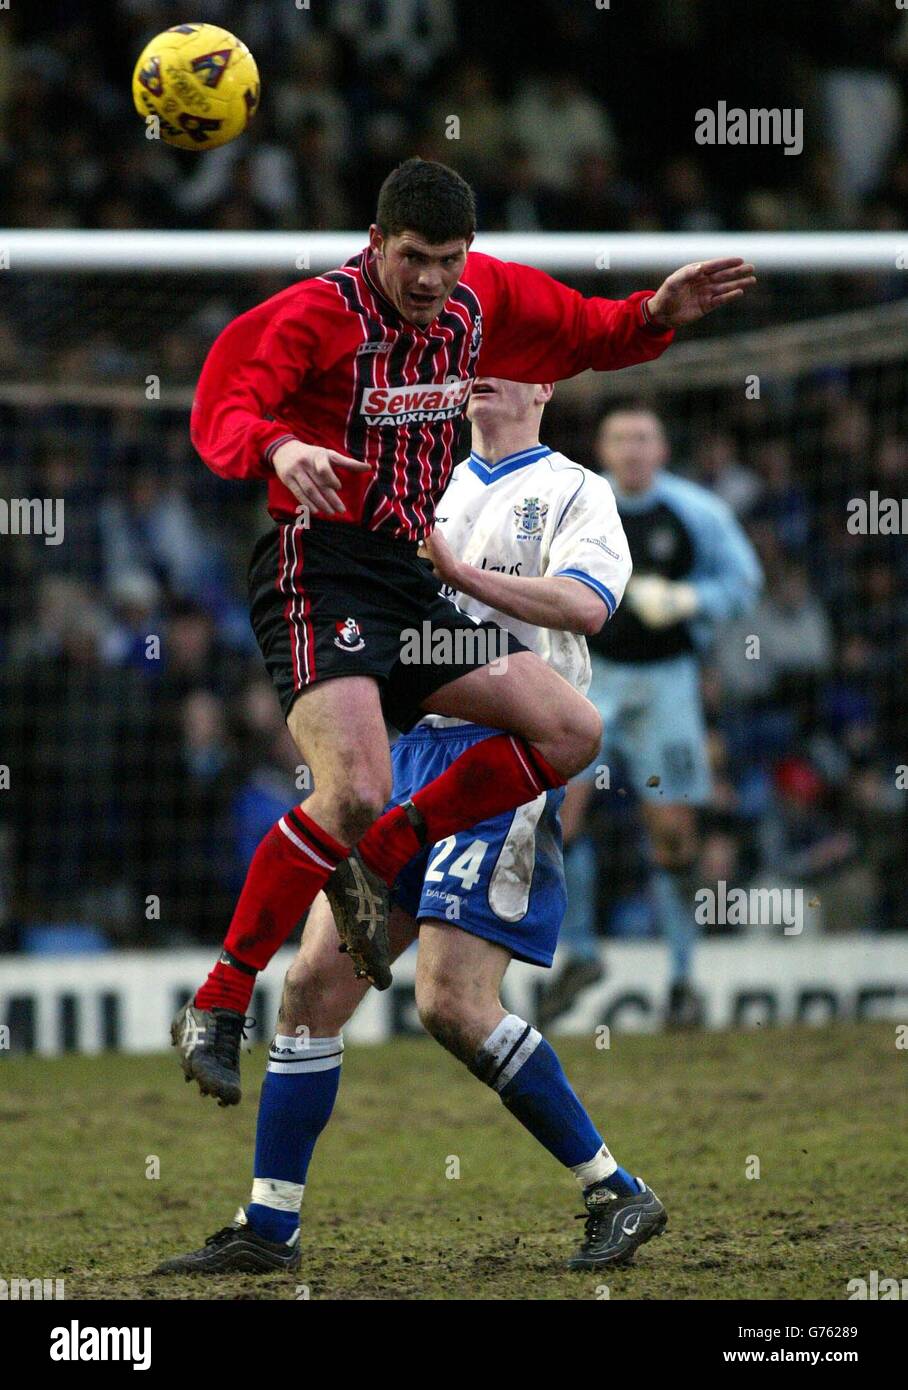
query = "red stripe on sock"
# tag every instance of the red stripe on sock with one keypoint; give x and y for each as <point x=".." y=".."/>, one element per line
<point x="548" y="775"/>
<point x="290" y="866"/>
<point x="526" y="764"/>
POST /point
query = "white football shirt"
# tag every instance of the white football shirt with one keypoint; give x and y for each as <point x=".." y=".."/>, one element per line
<point x="536" y="514"/>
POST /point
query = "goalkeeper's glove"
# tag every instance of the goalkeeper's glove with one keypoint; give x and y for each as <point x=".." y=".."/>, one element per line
<point x="660" y="602"/>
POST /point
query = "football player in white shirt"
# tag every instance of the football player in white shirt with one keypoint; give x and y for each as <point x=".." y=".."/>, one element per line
<point x="527" y="538"/>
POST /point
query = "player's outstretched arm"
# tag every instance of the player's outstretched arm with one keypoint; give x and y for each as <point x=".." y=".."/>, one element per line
<point x="537" y="329"/>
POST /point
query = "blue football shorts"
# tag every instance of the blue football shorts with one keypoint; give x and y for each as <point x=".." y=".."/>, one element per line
<point x="503" y="879"/>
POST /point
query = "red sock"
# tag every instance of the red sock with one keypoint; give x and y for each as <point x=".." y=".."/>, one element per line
<point x="493" y="776"/>
<point x="290" y="866"/>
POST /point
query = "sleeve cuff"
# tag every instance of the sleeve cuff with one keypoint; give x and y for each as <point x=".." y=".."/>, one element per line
<point x="645" y="319"/>
<point x="268" y="456"/>
<point x="608" y="598"/>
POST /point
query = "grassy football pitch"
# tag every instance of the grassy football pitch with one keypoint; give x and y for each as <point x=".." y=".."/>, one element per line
<point x="821" y="1109"/>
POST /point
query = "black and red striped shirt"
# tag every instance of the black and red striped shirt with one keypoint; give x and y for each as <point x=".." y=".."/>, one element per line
<point x="331" y="361"/>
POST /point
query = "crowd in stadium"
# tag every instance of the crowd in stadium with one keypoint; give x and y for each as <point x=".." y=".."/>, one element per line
<point x="147" y="751"/>
<point x="575" y="117"/>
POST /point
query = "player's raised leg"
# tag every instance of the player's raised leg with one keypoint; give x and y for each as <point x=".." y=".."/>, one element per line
<point x="554" y="732"/>
<point x="337" y="726"/>
<point x="458" y="978"/>
<point x="320" y="995"/>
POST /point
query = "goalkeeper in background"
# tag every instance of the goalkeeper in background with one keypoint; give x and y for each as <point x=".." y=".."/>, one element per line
<point x="693" y="568"/>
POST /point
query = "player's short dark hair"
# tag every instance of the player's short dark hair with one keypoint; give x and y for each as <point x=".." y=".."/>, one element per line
<point x="427" y="198"/>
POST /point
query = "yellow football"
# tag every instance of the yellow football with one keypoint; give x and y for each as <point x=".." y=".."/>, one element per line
<point x="196" y="85"/>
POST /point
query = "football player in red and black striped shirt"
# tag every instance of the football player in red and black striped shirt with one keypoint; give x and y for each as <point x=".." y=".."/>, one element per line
<point x="345" y="392"/>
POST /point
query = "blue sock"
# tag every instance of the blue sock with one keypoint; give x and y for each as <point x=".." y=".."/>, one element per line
<point x="675" y="918"/>
<point x="297" y="1098"/>
<point x="518" y="1063"/>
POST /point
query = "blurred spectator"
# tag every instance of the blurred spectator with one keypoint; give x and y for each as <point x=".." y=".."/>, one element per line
<point x="513" y="201"/>
<point x="557" y="121"/>
<point x="685" y="202"/>
<point x="596" y="199"/>
<point x="795" y="638"/>
<point x="183" y="843"/>
<point x="718" y="467"/>
<point x="322" y="201"/>
<point x="782" y="502"/>
<point x="151" y="528"/>
<point x="274" y="777"/>
<point x="803" y="844"/>
<point x="135" y="597"/>
<point x="415" y="33"/>
<point x="62" y="475"/>
<point x="73" y="727"/>
<point x="864" y="118"/>
<point x="386" y="109"/>
<point x="309" y="86"/>
<point x="469" y="94"/>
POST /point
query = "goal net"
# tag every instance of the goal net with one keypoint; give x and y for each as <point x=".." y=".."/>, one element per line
<point x="142" y="750"/>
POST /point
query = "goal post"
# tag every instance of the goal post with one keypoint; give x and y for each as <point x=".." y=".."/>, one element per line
<point x="822" y="297"/>
<point x="560" y="253"/>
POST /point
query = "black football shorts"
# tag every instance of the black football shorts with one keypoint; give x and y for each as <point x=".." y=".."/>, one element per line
<point x="332" y="599"/>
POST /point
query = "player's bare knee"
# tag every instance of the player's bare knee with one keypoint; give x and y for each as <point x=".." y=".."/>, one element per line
<point x="440" y="1011"/>
<point x="579" y="739"/>
<point x="589" y="736"/>
<point x="295" y="1008"/>
<point x="313" y="1000"/>
<point x="572" y="740"/>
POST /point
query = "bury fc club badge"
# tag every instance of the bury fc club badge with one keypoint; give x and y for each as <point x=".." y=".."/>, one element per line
<point x="348" y="636"/>
<point x="531" y="515"/>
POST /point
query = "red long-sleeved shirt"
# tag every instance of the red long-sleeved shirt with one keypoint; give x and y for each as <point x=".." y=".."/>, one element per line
<point x="330" y="361"/>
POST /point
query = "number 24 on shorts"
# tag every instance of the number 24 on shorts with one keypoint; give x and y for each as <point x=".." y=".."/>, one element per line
<point x="465" y="867"/>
